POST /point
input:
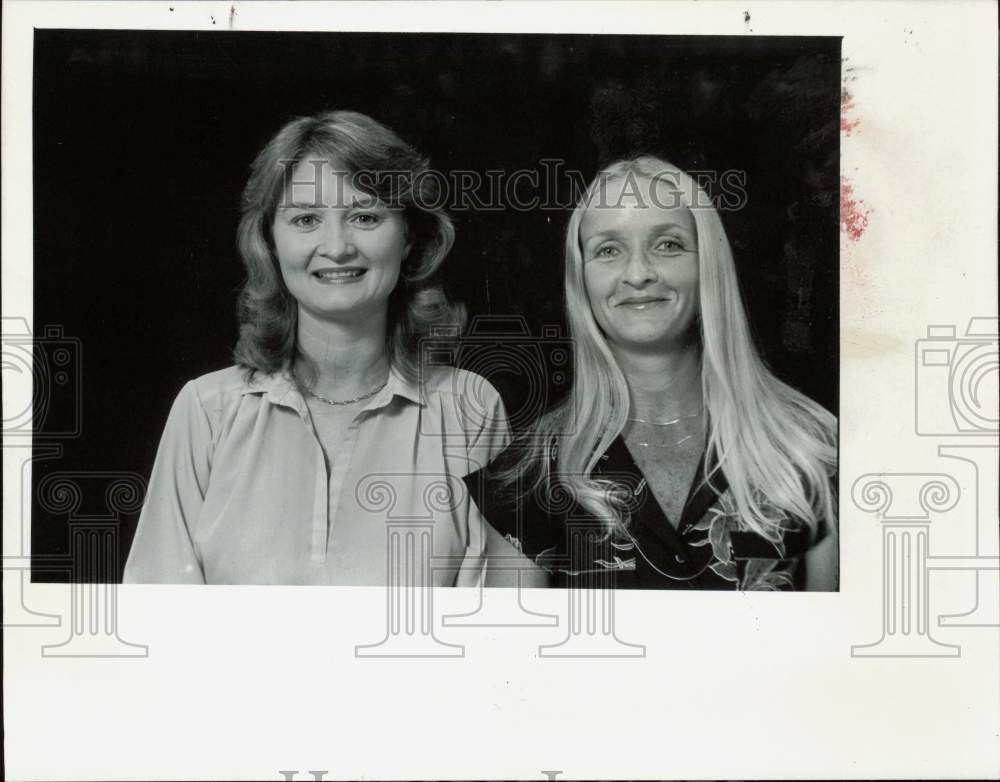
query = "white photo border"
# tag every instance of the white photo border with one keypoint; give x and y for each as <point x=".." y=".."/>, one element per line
<point x="257" y="683"/>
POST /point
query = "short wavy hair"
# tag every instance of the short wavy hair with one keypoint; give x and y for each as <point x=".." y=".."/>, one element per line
<point x="386" y="166"/>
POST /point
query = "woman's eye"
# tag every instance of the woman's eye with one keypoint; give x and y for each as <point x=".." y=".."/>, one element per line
<point x="305" y="221"/>
<point x="670" y="245"/>
<point x="366" y="219"/>
<point x="606" y="252"/>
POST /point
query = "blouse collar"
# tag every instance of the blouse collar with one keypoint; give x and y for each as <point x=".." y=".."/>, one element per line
<point x="280" y="389"/>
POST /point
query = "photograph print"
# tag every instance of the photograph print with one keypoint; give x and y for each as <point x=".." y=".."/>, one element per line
<point x="566" y="305"/>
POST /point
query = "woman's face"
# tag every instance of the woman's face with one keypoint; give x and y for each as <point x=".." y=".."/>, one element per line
<point x="339" y="248"/>
<point x="640" y="264"/>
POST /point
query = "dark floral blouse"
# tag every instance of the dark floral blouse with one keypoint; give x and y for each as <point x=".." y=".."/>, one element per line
<point x="710" y="547"/>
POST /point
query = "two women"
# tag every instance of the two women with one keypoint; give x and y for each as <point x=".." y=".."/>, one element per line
<point x="677" y="461"/>
<point x="288" y="467"/>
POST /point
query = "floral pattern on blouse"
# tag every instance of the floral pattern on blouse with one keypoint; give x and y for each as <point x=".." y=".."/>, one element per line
<point x="758" y="573"/>
<point x="709" y="547"/>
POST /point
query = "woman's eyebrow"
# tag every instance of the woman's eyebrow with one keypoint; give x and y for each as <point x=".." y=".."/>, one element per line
<point x="612" y="232"/>
<point x="601" y="235"/>
<point x="668" y="227"/>
<point x="301" y="205"/>
<point x="356" y="201"/>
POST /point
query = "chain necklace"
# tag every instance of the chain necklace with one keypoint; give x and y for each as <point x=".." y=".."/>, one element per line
<point x="664" y="423"/>
<point x="674" y="444"/>
<point x="337" y="402"/>
<point x="664" y="445"/>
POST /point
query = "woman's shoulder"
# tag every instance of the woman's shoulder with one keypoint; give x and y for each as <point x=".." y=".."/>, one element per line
<point x="223" y="382"/>
<point x="231" y="378"/>
<point x="452" y="381"/>
<point x="516" y="503"/>
<point x="224" y="387"/>
<point x="513" y="479"/>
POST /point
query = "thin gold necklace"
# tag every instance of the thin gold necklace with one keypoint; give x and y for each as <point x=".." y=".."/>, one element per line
<point x="338" y="402"/>
<point x="663" y="445"/>
<point x="664" y="423"/>
<point x="645" y="444"/>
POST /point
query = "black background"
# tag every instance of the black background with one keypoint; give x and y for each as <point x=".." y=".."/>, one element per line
<point x="143" y="140"/>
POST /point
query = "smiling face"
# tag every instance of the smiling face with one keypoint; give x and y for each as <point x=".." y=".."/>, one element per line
<point x="640" y="264"/>
<point x="339" y="248"/>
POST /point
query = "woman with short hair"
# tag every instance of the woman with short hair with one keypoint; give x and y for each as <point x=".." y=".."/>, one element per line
<point x="286" y="468"/>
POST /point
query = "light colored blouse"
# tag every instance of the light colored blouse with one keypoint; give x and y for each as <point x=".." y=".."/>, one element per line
<point x="240" y="492"/>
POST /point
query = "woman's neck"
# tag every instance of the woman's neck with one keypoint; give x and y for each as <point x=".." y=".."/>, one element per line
<point x="343" y="359"/>
<point x="663" y="386"/>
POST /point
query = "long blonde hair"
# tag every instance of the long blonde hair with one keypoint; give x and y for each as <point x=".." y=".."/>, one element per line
<point x="775" y="446"/>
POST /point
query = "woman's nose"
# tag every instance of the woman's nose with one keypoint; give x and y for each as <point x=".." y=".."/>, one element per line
<point x="639" y="271"/>
<point x="334" y="242"/>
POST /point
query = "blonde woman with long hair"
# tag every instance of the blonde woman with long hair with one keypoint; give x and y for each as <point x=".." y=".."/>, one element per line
<point x="686" y="462"/>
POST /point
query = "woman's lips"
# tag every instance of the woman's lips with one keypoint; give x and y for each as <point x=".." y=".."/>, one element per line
<point x="642" y="302"/>
<point x="342" y="276"/>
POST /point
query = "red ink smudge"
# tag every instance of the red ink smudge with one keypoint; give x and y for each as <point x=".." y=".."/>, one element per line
<point x="846" y="105"/>
<point x="853" y="213"/>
